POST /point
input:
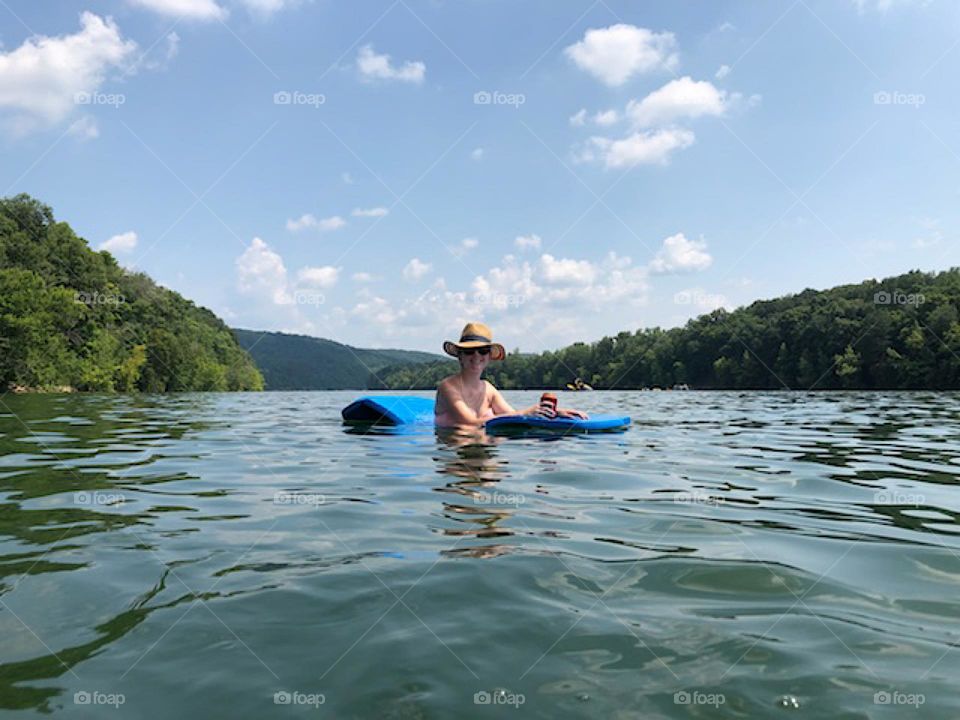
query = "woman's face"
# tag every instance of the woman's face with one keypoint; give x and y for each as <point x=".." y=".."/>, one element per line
<point x="474" y="362"/>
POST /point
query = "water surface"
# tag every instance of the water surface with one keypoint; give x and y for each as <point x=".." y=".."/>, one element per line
<point x="736" y="555"/>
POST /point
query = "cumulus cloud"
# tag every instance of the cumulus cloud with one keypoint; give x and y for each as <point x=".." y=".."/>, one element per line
<point x="678" y="254"/>
<point x="640" y="148"/>
<point x="85" y="128"/>
<point x="566" y="271"/>
<point x="120" y="244"/>
<point x="378" y="67"/>
<point x="416" y="269"/>
<point x="309" y="222"/>
<point x="261" y="271"/>
<point x="606" y="117"/>
<point x="579" y="118"/>
<point x="722" y="72"/>
<point x="323" y="277"/>
<point x="362" y="277"/>
<point x="528" y="242"/>
<point x="370" y="212"/>
<point x="617" y="53"/>
<point x="43" y="80"/>
<point x="185" y="9"/>
<point x="541" y="302"/>
<point x="465" y="246"/>
<point x="267" y="7"/>
<point x="681" y="98"/>
<point x="883" y="6"/>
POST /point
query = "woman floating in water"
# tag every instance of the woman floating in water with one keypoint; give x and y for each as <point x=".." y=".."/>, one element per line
<point x="466" y="399"/>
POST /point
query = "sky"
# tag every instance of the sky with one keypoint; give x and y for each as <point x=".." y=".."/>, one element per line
<point x="382" y="172"/>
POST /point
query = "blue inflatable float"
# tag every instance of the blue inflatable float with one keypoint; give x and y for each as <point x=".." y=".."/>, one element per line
<point x="410" y="410"/>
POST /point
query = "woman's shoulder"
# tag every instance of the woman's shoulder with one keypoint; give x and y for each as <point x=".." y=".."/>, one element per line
<point x="446" y="382"/>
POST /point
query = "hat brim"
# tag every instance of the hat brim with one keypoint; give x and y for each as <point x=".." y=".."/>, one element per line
<point x="496" y="349"/>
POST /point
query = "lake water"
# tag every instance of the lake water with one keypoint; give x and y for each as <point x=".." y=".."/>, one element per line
<point x="734" y="555"/>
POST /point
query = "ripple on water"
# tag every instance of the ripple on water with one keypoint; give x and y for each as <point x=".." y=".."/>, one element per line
<point x="732" y="555"/>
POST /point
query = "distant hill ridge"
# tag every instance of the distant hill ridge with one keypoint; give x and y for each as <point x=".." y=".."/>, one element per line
<point x="301" y="362"/>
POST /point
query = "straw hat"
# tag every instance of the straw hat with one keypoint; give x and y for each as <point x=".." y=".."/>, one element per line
<point x="475" y="335"/>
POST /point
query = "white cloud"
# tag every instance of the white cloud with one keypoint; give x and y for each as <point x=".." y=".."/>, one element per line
<point x="85" y="128"/>
<point x="362" y="277"/>
<point x="465" y="246"/>
<point x="528" y="242"/>
<point x="606" y="118"/>
<point x="261" y="271"/>
<point x="324" y="277"/>
<point x="370" y="212"/>
<point x="617" y="53"/>
<point x="122" y="243"/>
<point x="266" y="8"/>
<point x="42" y="81"/>
<point x="309" y="222"/>
<point x="378" y="67"/>
<point x="883" y="6"/>
<point x="681" y="98"/>
<point x="723" y="72"/>
<point x="579" y="119"/>
<point x="416" y="269"/>
<point x="516" y="297"/>
<point x="565" y="271"/>
<point x="681" y="255"/>
<point x="477" y="153"/>
<point x="185" y="9"/>
<point x="640" y="148"/>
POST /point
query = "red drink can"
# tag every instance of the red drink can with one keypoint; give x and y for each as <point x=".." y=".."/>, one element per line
<point x="548" y="401"/>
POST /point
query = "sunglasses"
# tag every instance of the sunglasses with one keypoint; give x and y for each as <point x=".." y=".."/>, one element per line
<point x="471" y="351"/>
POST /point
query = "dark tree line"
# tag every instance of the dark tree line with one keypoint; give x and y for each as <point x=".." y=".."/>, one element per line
<point x="898" y="333"/>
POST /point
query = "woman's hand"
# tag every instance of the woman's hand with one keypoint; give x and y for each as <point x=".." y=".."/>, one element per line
<point x="567" y="412"/>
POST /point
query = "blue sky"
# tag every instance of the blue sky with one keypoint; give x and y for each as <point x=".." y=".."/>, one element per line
<point x="380" y="173"/>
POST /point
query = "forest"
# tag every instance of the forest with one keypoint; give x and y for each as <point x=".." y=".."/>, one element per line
<point x="72" y="319"/>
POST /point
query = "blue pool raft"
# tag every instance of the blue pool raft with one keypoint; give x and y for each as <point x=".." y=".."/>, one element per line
<point x="410" y="410"/>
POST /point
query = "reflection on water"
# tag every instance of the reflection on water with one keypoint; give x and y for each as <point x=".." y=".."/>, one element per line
<point x="732" y="555"/>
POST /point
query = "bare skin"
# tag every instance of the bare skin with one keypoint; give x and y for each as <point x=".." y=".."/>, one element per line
<point x="465" y="399"/>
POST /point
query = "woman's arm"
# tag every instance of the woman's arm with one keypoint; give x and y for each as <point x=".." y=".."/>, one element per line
<point x="502" y="407"/>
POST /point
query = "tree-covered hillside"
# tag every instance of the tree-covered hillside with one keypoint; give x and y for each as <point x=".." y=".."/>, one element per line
<point x="898" y="333"/>
<point x="73" y="318"/>
<point x="299" y="362"/>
